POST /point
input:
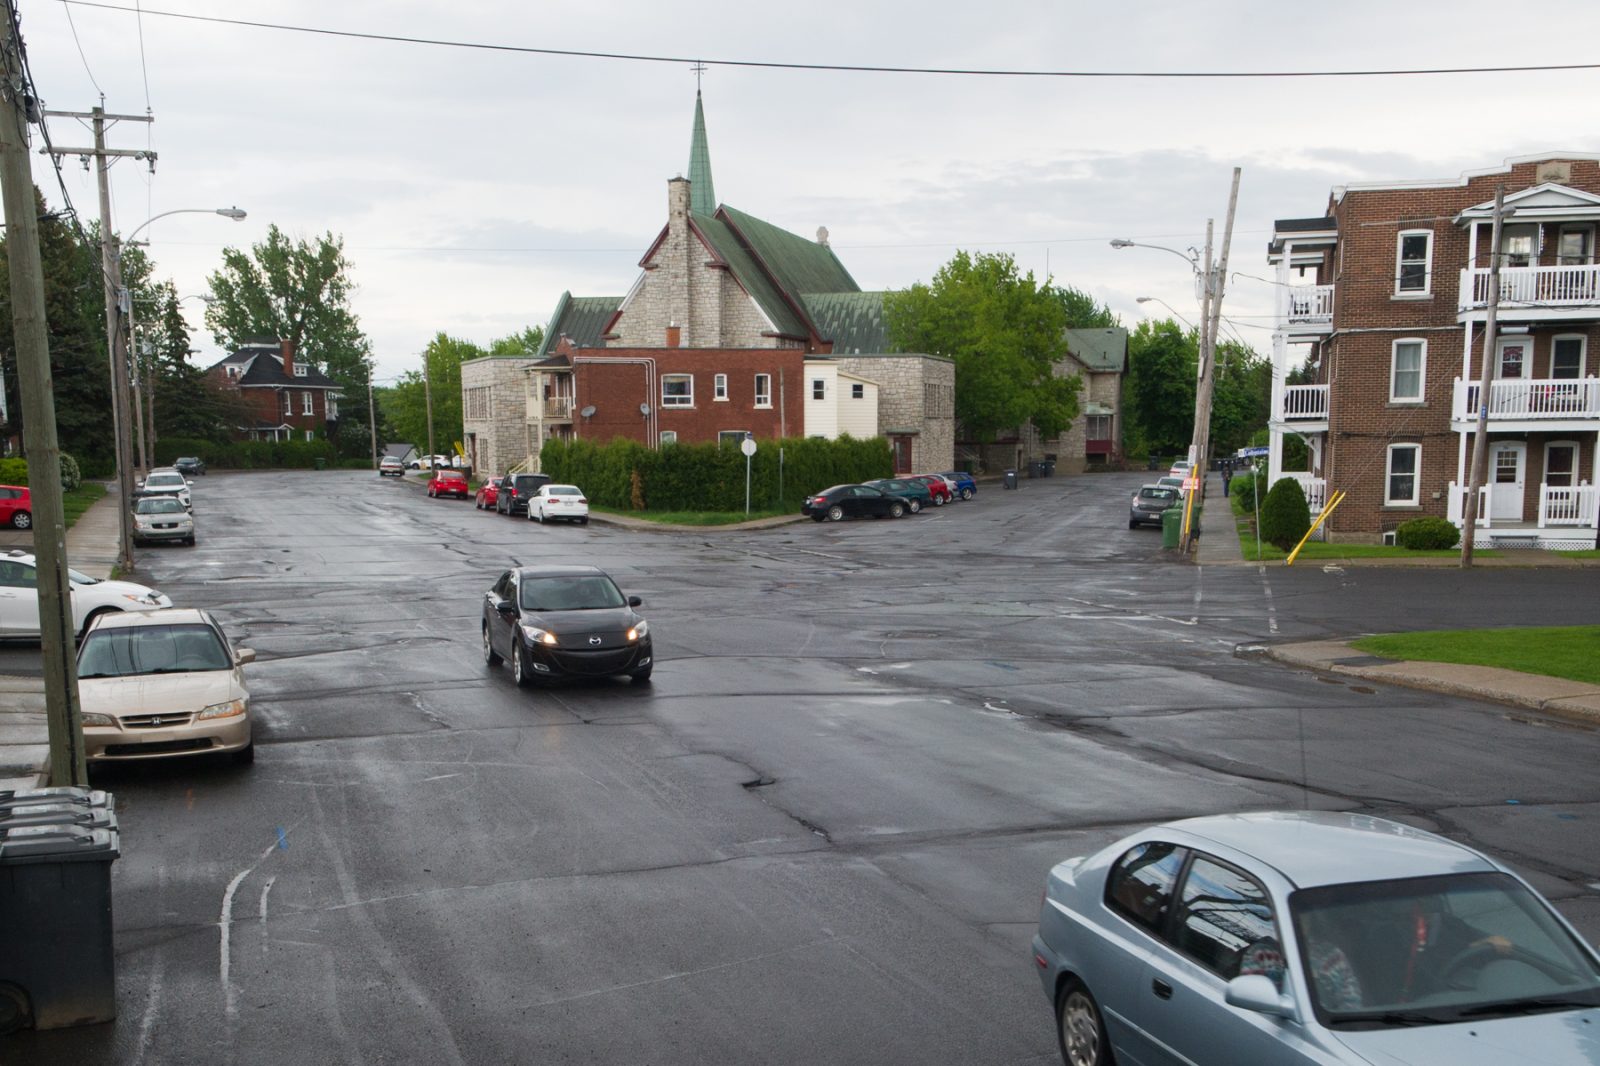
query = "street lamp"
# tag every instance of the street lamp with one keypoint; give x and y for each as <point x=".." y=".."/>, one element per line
<point x="1163" y="303"/>
<point x="121" y="388"/>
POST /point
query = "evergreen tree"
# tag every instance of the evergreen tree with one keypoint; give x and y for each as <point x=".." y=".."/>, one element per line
<point x="1285" y="515"/>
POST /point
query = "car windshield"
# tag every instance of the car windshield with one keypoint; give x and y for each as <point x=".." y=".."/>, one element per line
<point x="164" y="481"/>
<point x="1430" y="950"/>
<point x="1158" y="494"/>
<point x="130" y="650"/>
<point x="580" y="592"/>
<point x="166" y="505"/>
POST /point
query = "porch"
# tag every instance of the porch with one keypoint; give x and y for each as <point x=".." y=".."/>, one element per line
<point x="1540" y="400"/>
<point x="1535" y="292"/>
<point x="1563" y="518"/>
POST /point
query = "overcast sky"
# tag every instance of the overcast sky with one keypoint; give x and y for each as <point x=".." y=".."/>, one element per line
<point x="472" y="187"/>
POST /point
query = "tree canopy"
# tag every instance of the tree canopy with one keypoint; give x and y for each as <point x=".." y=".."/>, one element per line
<point x="1004" y="332"/>
<point x="1082" y="310"/>
<point x="405" y="404"/>
<point x="1163" y="361"/>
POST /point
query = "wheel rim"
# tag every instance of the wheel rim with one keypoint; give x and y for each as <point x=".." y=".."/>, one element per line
<point x="488" y="646"/>
<point x="1080" y="1031"/>
<point x="22" y="521"/>
<point x="516" y="664"/>
<point x="835" y="513"/>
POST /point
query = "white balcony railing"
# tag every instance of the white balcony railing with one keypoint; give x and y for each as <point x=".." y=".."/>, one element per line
<point x="1308" y="305"/>
<point x="558" y="408"/>
<point x="1531" y="398"/>
<point x="1545" y="286"/>
<point x="1566" y="505"/>
<point x="1315" y="488"/>
<point x="1305" y="403"/>
<point x="1458" y="499"/>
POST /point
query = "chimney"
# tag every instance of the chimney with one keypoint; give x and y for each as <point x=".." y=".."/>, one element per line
<point x="674" y="335"/>
<point x="677" y="200"/>
<point x="288" y="358"/>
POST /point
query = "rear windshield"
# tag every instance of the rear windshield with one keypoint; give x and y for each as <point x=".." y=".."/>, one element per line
<point x="1158" y="494"/>
<point x="530" y="481"/>
<point x="131" y="650"/>
<point x="563" y="490"/>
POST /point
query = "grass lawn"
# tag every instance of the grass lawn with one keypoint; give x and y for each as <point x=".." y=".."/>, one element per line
<point x="691" y="518"/>
<point x="1587" y="554"/>
<point x="1572" y="652"/>
<point x="79" y="500"/>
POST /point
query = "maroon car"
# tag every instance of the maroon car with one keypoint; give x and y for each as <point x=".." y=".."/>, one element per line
<point x="938" y="487"/>
<point x="488" y="494"/>
<point x="449" y="483"/>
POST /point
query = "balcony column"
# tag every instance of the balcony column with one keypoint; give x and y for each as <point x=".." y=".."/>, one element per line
<point x="1275" y="422"/>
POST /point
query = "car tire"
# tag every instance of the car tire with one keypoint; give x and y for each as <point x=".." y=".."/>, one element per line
<point x="966" y="494"/>
<point x="583" y="521"/>
<point x="245" y="755"/>
<point x="836" y="513"/>
<point x="22" y="520"/>
<point x="896" y="510"/>
<point x="190" y="542"/>
<point x="642" y="677"/>
<point x="519" y="666"/>
<point x="916" y="506"/>
<point x="819" y="518"/>
<point x="490" y="656"/>
<point x="939" y="501"/>
<point x="535" y="518"/>
<point x="89" y="621"/>
<point x="1080" y="1032"/>
<point x="1133" y="523"/>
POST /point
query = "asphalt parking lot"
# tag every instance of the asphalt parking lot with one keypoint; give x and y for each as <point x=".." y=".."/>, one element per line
<point x="819" y="835"/>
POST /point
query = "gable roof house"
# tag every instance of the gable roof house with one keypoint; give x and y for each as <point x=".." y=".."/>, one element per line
<point x="1384" y="305"/>
<point x="285" y="398"/>
<point x="720" y="335"/>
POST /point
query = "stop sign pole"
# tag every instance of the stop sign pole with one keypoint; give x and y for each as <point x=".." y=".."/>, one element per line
<point x="748" y="446"/>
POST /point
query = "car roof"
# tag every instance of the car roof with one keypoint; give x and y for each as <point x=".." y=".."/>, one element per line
<point x="167" y="616"/>
<point x="1313" y="848"/>
<point x="559" y="571"/>
<point x="1157" y="485"/>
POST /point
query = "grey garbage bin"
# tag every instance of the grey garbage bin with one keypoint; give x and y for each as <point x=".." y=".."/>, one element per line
<point x="1049" y="467"/>
<point x="56" y="848"/>
<point x="1010" y="481"/>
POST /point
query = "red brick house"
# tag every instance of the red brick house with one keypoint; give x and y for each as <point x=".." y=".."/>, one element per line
<point x="1382" y="311"/>
<point x="288" y="399"/>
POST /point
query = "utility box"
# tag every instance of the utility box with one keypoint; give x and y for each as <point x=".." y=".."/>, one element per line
<point x="57" y="965"/>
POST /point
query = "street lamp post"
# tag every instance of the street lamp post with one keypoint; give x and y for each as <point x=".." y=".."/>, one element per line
<point x="121" y="387"/>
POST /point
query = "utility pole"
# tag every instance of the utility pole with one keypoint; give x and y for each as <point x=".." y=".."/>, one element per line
<point x="116" y="337"/>
<point x="1480" y="440"/>
<point x="1210" y="323"/>
<point x="62" y="713"/>
<point x="372" y="418"/>
<point x="427" y="395"/>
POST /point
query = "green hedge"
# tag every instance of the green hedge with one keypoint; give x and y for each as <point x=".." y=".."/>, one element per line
<point x="15" y="472"/>
<point x="1285" y="515"/>
<point x="246" y="454"/>
<point x="709" y="477"/>
<point x="1427" y="534"/>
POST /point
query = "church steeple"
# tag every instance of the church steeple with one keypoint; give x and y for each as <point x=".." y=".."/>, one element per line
<point x="702" y="194"/>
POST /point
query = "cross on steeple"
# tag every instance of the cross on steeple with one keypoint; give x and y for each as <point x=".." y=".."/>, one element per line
<point x="699" y="68"/>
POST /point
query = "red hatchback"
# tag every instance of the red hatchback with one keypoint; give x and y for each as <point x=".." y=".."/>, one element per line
<point x="938" y="487"/>
<point x="449" y="483"/>
<point x="488" y="494"/>
<point x="16" y="507"/>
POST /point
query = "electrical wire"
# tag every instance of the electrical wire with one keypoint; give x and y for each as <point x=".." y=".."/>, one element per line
<point x="859" y="68"/>
<point x="74" y="27"/>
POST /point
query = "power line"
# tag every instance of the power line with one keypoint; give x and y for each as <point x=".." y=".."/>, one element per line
<point x="861" y="68"/>
<point x="81" y="55"/>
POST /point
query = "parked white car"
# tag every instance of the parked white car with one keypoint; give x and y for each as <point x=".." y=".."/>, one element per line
<point x="91" y="597"/>
<point x="166" y="482"/>
<point x="162" y="518"/>
<point x="163" y="684"/>
<point x="565" y="502"/>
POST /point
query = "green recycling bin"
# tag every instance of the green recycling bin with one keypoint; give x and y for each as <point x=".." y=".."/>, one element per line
<point x="1171" y="527"/>
<point x="320" y="463"/>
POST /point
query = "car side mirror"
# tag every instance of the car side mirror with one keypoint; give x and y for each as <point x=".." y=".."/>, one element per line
<point x="505" y="606"/>
<point x="1256" y="992"/>
<point x="244" y="655"/>
<point x="635" y="601"/>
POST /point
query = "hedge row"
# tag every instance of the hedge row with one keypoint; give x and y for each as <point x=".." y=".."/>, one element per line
<point x="711" y="477"/>
<point x="247" y="454"/>
<point x="15" y="472"/>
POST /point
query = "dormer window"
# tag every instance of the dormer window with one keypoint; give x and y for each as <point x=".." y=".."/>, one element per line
<point x="299" y="370"/>
<point x="233" y="373"/>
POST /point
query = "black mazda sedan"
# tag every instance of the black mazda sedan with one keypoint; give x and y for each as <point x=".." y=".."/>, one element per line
<point x="853" y="501"/>
<point x="564" y="621"/>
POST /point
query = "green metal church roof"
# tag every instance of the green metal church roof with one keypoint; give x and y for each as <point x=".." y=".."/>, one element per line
<point x="582" y="318"/>
<point x="702" y="194"/>
<point x="853" y="321"/>
<point x="1100" y="349"/>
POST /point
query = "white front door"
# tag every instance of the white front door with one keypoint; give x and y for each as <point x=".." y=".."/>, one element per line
<point x="1508" y="464"/>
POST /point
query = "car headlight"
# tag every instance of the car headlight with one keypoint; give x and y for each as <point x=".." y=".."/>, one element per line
<point x="639" y="631"/>
<point x="538" y="636"/>
<point x="90" y="718"/>
<point x="231" y="709"/>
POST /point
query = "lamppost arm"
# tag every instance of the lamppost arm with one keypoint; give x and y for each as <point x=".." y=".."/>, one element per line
<point x="234" y="213"/>
<point x="1190" y="259"/>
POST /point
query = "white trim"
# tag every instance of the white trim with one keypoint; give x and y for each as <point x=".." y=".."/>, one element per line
<point x="719" y="388"/>
<point x="666" y="402"/>
<point x="308" y="403"/>
<point x="1339" y="191"/>
<point x="1577" y="455"/>
<point x="1525" y="340"/>
<point x="1575" y="227"/>
<point x="758" y="400"/>
<point x="1427" y="263"/>
<point x="1389" y="474"/>
<point x="1422" y="369"/>
<point x="816" y="385"/>
<point x="666" y="437"/>
<point x="1583" y="353"/>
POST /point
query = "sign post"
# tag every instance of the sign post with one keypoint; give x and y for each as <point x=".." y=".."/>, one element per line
<point x="748" y="446"/>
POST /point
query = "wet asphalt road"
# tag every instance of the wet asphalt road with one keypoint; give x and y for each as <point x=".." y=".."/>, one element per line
<point x="818" y="836"/>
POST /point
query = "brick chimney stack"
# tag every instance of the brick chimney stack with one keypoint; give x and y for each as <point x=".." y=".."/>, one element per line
<point x="674" y="335"/>
<point x="288" y="358"/>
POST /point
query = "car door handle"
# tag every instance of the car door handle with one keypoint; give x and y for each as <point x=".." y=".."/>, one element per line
<point x="1161" y="988"/>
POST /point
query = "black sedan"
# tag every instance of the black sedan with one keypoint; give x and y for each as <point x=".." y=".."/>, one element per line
<point x="564" y="621"/>
<point x="853" y="501"/>
<point x="189" y="465"/>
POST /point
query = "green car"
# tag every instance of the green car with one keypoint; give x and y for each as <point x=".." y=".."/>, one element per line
<point x="915" y="492"/>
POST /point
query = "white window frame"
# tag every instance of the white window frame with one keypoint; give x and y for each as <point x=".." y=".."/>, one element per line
<point x="1528" y="232"/>
<point x="819" y="385"/>
<point x="677" y="401"/>
<point x="308" y="402"/>
<point x="1389" y="474"/>
<point x="1583" y="352"/>
<point x="288" y="403"/>
<point x="731" y="436"/>
<point x="858" y="391"/>
<point x="1577" y="455"/>
<point x="1422" y="370"/>
<point x="719" y="388"/>
<point x="330" y="408"/>
<point x="311" y="434"/>
<point x="1427" y="264"/>
<point x="1586" y="228"/>
<point x="666" y="437"/>
<point x="299" y="370"/>
<point x="763" y="390"/>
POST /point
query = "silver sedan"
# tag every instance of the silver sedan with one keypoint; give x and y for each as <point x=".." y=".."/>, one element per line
<point x="1309" y="937"/>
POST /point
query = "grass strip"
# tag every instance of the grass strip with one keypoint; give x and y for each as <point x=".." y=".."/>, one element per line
<point x="1572" y="652"/>
<point x="691" y="518"/>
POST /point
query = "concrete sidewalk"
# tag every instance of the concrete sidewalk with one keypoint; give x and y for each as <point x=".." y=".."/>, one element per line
<point x="1218" y="544"/>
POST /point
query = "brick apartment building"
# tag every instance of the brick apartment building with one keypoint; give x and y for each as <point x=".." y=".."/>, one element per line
<point x="1382" y="306"/>
<point x="287" y="398"/>
<point x="732" y="326"/>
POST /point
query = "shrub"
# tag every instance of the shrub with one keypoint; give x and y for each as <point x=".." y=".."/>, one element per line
<point x="1243" y="489"/>
<point x="1285" y="516"/>
<point x="71" y="476"/>
<point x="1427" y="534"/>
<point x="14" y="472"/>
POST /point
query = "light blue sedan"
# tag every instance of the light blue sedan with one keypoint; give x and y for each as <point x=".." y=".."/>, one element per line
<point x="1309" y="937"/>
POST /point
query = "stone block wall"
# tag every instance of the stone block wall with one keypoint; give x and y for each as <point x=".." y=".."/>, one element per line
<point x="498" y="440"/>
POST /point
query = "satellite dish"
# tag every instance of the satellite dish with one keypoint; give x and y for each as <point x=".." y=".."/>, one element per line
<point x="644" y="408"/>
<point x="587" y="412"/>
